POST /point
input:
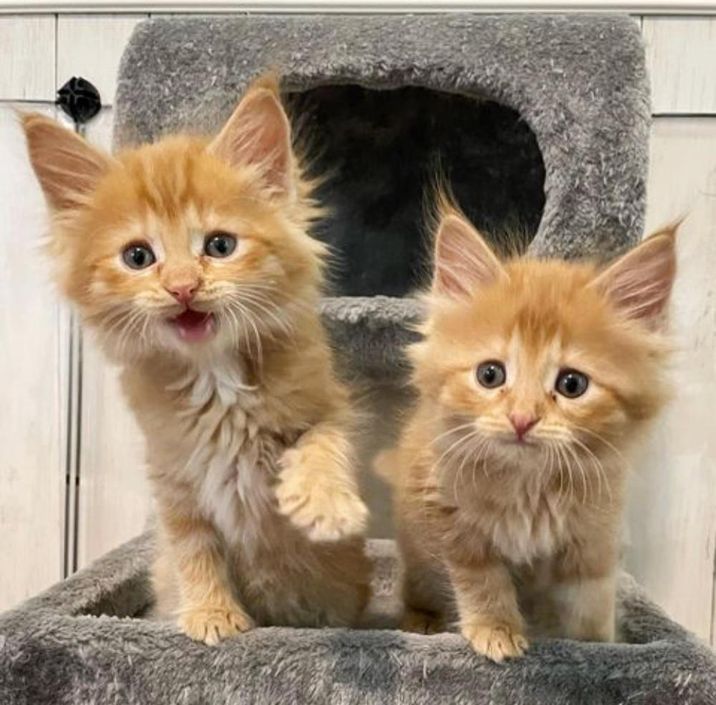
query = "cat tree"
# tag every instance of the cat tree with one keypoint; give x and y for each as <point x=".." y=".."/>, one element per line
<point x="541" y="124"/>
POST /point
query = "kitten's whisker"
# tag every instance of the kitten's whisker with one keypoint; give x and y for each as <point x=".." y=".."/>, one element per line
<point x="265" y="306"/>
<point x="244" y="319"/>
<point x="130" y="326"/>
<point x="144" y="336"/>
<point x="560" y="465"/>
<point x="564" y="464"/>
<point x="451" y="430"/>
<point x="118" y="313"/>
<point x="469" y="452"/>
<point x="603" y="440"/>
<point x="269" y="308"/>
<point x="260" y="288"/>
<point x="599" y="467"/>
<point x="237" y="333"/>
<point x="551" y="455"/>
<point x="483" y="455"/>
<point x="455" y="445"/>
<point x="246" y="316"/>
<point x="546" y="466"/>
<point x="244" y="304"/>
<point x="117" y="321"/>
<point x="582" y="475"/>
<point x="230" y="321"/>
<point x="594" y="504"/>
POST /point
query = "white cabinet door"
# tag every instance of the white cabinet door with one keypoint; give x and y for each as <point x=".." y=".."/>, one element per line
<point x="681" y="57"/>
<point x="33" y="360"/>
<point x="112" y="499"/>
<point x="673" y="502"/>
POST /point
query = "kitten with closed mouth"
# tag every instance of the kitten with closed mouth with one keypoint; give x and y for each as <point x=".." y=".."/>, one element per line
<point x="535" y="379"/>
<point x="192" y="261"/>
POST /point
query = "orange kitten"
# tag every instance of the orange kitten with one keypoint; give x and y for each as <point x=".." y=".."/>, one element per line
<point x="191" y="260"/>
<point x="534" y="379"/>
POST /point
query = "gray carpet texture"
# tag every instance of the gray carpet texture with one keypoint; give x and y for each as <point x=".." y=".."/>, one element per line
<point x="84" y="641"/>
<point x="540" y="123"/>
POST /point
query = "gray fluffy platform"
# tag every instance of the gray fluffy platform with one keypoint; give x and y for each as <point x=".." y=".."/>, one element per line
<point x="77" y="644"/>
<point x="541" y="125"/>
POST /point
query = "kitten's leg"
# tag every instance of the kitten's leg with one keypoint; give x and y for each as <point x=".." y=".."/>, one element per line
<point x="317" y="490"/>
<point x="424" y="592"/>
<point x="490" y="617"/>
<point x="586" y="607"/>
<point x="165" y="581"/>
<point x="584" y="591"/>
<point x="207" y="610"/>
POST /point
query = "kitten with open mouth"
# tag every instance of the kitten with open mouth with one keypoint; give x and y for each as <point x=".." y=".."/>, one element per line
<point x="192" y="260"/>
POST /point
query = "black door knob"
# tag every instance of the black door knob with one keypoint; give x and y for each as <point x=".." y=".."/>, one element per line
<point x="79" y="99"/>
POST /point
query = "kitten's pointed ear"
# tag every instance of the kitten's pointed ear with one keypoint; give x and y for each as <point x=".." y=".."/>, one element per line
<point x="463" y="260"/>
<point x="639" y="283"/>
<point x="259" y="134"/>
<point x="67" y="166"/>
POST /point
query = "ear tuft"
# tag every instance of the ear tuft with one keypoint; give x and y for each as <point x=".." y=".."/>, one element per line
<point x="67" y="166"/>
<point x="258" y="134"/>
<point x="639" y="283"/>
<point x="463" y="260"/>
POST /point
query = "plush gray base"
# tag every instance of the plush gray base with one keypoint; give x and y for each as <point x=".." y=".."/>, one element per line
<point x="77" y="643"/>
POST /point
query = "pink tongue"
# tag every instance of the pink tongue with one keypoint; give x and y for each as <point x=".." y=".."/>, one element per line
<point x="194" y="326"/>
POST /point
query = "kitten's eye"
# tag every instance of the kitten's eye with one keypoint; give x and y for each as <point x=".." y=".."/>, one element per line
<point x="138" y="256"/>
<point x="219" y="244"/>
<point x="491" y="374"/>
<point x="571" y="383"/>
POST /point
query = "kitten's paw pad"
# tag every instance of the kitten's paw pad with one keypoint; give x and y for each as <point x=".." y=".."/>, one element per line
<point x="324" y="512"/>
<point x="498" y="641"/>
<point x="421" y="622"/>
<point x="213" y="624"/>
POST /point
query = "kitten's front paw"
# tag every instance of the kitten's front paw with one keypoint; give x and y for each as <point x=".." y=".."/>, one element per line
<point x="213" y="624"/>
<point x="324" y="511"/>
<point x="496" y="641"/>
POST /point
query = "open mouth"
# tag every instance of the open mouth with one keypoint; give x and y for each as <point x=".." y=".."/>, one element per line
<point x="194" y="326"/>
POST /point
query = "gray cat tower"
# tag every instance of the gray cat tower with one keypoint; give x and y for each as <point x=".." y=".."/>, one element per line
<point x="540" y="123"/>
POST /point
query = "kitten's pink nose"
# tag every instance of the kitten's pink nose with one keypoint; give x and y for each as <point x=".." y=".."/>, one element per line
<point x="522" y="423"/>
<point x="183" y="293"/>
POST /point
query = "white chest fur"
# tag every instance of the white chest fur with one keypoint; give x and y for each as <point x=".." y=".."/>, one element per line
<point x="528" y="526"/>
<point x="234" y="454"/>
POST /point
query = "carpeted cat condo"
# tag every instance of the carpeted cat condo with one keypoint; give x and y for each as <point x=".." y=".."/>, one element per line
<point x="539" y="123"/>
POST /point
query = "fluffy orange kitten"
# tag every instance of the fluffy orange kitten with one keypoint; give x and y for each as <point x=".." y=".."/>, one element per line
<point x="192" y="261"/>
<point x="534" y="379"/>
